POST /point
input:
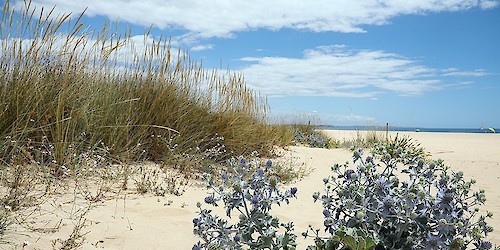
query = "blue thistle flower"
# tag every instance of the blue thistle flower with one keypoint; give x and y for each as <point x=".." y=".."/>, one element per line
<point x="255" y="200"/>
<point x="387" y="205"/>
<point x="326" y="212"/>
<point x="381" y="185"/>
<point x="443" y="182"/>
<point x="486" y="245"/>
<point x="196" y="221"/>
<point x="433" y="242"/>
<point x="348" y="173"/>
<point x="210" y="200"/>
<point x="242" y="162"/>
<point x="236" y="238"/>
<point x="444" y="199"/>
<point x="259" y="172"/>
<point x="269" y="164"/>
<point x="197" y="246"/>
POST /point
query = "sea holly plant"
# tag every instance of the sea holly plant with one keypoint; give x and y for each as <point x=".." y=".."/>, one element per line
<point x="308" y="136"/>
<point x="396" y="198"/>
<point x="247" y="192"/>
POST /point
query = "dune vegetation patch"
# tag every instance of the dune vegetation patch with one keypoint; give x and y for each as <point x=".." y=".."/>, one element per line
<point x="76" y="100"/>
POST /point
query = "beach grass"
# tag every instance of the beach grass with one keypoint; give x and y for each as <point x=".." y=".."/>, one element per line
<point x="78" y="105"/>
<point x="67" y="90"/>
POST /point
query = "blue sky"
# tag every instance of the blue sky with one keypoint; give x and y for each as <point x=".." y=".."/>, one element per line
<point x="425" y="63"/>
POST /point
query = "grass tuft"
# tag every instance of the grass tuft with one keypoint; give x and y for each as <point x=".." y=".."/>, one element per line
<point x="65" y="90"/>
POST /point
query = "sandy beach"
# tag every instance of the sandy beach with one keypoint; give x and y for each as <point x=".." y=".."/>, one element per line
<point x="115" y="116"/>
<point x="134" y="221"/>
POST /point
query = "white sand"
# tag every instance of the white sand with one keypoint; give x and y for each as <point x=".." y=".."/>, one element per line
<point x="146" y="222"/>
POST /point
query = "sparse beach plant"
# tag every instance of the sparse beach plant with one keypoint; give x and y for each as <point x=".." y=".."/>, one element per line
<point x="5" y="221"/>
<point x="247" y="193"/>
<point x="308" y="135"/>
<point x="364" y="139"/>
<point x="77" y="237"/>
<point x="395" y="198"/>
<point x="287" y="172"/>
<point x="159" y="182"/>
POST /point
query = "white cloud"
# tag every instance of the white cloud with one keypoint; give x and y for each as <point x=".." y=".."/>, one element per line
<point x="341" y="72"/>
<point x="347" y="119"/>
<point x="456" y="72"/>
<point x="488" y="4"/>
<point x="118" y="56"/>
<point x="221" y="18"/>
<point x="319" y="118"/>
<point x="202" y="47"/>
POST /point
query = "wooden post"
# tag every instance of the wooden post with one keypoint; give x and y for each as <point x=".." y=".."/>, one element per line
<point x="387" y="131"/>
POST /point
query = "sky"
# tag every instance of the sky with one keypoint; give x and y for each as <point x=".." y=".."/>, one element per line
<point x="416" y="63"/>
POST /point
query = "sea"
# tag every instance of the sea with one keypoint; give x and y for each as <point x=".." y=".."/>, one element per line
<point x="411" y="129"/>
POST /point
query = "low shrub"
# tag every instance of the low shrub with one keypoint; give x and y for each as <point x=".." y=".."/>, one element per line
<point x="398" y="199"/>
<point x="394" y="198"/>
<point x="307" y="135"/>
<point x="248" y="192"/>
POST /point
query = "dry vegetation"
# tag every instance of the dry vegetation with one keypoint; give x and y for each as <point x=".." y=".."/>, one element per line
<point x="80" y="105"/>
<point x="67" y="90"/>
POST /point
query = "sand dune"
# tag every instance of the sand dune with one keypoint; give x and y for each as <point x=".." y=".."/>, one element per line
<point x="134" y="221"/>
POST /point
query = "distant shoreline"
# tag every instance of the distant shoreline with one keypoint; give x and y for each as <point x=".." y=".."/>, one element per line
<point x="408" y="129"/>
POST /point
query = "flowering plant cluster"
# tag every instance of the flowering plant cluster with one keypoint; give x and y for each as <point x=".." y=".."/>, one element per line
<point x="312" y="138"/>
<point x="397" y="199"/>
<point x="249" y="192"/>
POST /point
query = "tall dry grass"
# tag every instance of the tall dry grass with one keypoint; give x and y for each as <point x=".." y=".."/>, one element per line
<point x="66" y="89"/>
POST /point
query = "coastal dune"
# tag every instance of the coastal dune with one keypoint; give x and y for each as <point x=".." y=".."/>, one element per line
<point x="135" y="221"/>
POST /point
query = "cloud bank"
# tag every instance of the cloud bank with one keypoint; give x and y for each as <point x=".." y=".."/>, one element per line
<point x="322" y="71"/>
<point x="341" y="72"/>
<point x="222" y="18"/>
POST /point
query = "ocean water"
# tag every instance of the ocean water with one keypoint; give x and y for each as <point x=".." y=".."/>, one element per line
<point x="411" y="129"/>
